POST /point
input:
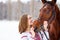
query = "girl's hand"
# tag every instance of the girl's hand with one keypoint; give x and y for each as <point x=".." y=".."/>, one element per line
<point x="32" y="32"/>
<point x="45" y="24"/>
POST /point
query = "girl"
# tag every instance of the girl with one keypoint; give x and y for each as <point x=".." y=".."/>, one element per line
<point x="25" y="28"/>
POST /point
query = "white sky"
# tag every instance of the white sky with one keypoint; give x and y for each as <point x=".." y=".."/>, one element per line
<point x="23" y="1"/>
<point x="14" y="0"/>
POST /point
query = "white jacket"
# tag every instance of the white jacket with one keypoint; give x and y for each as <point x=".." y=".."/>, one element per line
<point x="43" y="35"/>
<point x="26" y="36"/>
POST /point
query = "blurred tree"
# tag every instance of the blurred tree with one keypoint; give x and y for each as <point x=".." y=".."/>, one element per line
<point x="32" y="7"/>
<point x="18" y="9"/>
<point x="9" y="10"/>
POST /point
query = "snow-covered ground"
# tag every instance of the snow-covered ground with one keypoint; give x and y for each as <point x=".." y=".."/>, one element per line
<point x="9" y="30"/>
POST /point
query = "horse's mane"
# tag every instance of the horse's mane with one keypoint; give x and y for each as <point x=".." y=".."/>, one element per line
<point x="57" y="13"/>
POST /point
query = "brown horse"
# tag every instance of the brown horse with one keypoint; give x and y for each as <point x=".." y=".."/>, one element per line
<point x="50" y="12"/>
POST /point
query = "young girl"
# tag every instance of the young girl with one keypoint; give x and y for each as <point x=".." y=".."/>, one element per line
<point x="25" y="28"/>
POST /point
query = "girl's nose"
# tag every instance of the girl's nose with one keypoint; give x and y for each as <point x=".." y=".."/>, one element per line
<point x="31" y="20"/>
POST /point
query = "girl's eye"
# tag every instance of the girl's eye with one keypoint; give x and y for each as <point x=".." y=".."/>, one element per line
<point x="29" y="17"/>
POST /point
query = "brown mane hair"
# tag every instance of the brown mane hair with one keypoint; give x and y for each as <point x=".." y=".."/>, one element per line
<point x="58" y="13"/>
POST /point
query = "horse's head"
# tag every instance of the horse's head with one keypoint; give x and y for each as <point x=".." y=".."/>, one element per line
<point x="47" y="12"/>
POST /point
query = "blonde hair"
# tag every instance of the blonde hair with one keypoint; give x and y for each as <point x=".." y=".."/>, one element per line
<point x="23" y="24"/>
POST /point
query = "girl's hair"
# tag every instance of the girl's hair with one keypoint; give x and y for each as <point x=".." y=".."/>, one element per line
<point x="23" y="24"/>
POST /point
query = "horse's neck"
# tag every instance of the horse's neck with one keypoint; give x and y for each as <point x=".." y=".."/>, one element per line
<point x="55" y="23"/>
<point x="58" y="18"/>
<point x="55" y="28"/>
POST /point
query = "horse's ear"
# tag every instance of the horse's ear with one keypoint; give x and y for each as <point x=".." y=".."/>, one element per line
<point x="54" y="1"/>
<point x="43" y="1"/>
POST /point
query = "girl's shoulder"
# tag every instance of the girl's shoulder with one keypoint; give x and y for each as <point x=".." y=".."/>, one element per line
<point x="25" y="36"/>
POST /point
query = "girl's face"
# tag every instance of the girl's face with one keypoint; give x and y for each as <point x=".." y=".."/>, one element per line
<point x="30" y="20"/>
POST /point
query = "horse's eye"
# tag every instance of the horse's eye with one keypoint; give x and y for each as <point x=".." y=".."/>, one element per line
<point x="47" y="11"/>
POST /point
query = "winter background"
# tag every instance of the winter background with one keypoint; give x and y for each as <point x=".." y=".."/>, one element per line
<point x="9" y="28"/>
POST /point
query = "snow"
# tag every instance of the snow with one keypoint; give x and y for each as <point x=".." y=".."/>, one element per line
<point x="9" y="30"/>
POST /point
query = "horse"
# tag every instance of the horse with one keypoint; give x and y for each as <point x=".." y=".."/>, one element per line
<point x="51" y="13"/>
